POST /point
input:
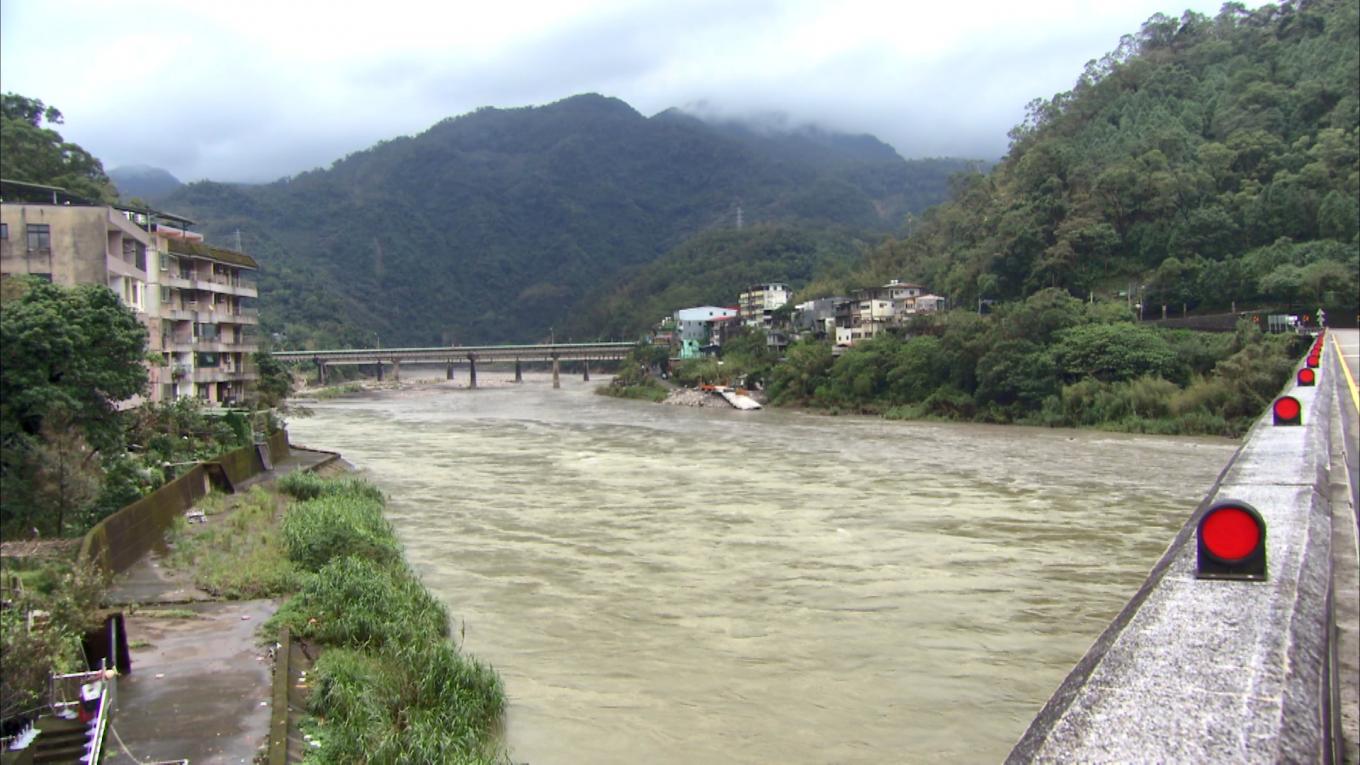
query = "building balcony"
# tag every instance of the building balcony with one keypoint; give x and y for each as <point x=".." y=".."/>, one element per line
<point x="172" y="280"/>
<point x="119" y="267"/>
<point x="178" y="314"/>
<point x="223" y="374"/>
<point x="226" y="285"/>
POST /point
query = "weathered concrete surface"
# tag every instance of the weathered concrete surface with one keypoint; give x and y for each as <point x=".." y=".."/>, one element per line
<point x="200" y="690"/>
<point x="1217" y="671"/>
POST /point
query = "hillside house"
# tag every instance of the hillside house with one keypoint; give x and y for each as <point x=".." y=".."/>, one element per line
<point x="701" y="329"/>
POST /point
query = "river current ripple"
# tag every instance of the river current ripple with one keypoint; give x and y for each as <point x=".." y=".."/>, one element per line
<point x="668" y="585"/>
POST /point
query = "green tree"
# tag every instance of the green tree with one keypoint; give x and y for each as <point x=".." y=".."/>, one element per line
<point x="276" y="381"/>
<point x="65" y="474"/>
<point x="1113" y="352"/>
<point x="37" y="154"/>
<point x="803" y="371"/>
<point x="69" y="353"/>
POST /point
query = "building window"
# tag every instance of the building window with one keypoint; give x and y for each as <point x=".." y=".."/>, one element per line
<point x="165" y="295"/>
<point x="4" y="231"/>
<point x="39" y="236"/>
<point x="165" y="262"/>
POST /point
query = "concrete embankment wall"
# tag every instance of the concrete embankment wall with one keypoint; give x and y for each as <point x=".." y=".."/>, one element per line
<point x="1200" y="670"/>
<point x="119" y="540"/>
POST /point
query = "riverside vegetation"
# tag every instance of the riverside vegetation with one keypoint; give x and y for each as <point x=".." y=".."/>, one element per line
<point x="1050" y="360"/>
<point x="390" y="685"/>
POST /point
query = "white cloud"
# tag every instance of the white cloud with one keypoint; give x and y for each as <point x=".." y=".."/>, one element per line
<point x="258" y="89"/>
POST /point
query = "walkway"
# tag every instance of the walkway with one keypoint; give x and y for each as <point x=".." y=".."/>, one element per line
<point x="201" y="680"/>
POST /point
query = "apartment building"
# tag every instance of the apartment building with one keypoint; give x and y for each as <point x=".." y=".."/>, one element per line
<point x="759" y="301"/>
<point x="196" y="301"/>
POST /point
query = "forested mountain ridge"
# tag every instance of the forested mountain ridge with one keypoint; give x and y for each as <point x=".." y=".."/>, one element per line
<point x="1205" y="161"/>
<point x="493" y="225"/>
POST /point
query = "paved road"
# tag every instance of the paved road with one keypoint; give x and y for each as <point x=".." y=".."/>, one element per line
<point x="1345" y="528"/>
<point x="1347" y="341"/>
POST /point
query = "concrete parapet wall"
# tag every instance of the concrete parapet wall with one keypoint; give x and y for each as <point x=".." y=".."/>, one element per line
<point x="119" y="540"/>
<point x="1202" y="670"/>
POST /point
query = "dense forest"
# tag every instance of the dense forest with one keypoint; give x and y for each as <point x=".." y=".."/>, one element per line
<point x="495" y="225"/>
<point x="1204" y="162"/>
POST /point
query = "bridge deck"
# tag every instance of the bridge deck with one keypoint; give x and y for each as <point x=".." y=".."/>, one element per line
<point x="604" y="351"/>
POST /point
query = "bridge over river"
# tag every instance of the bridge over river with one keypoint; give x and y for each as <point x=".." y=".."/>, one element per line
<point x="469" y="354"/>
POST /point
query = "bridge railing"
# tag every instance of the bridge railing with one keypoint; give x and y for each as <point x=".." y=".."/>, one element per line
<point x="1204" y="670"/>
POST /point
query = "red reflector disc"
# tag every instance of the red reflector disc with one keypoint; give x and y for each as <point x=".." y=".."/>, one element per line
<point x="1286" y="408"/>
<point x="1306" y="377"/>
<point x="1230" y="534"/>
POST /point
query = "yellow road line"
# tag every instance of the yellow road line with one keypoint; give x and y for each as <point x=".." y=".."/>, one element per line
<point x="1345" y="368"/>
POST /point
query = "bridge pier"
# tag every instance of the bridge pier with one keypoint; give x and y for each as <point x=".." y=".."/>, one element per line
<point x="557" y="383"/>
<point x="396" y="370"/>
<point x="448" y="371"/>
<point x="380" y="371"/>
<point x="519" y="372"/>
<point x="585" y="365"/>
<point x="472" y="371"/>
<point x="320" y="372"/>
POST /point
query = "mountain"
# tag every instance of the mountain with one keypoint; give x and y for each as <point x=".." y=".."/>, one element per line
<point x="495" y="225"/>
<point x="711" y="268"/>
<point x="1206" y="162"/>
<point x="151" y="184"/>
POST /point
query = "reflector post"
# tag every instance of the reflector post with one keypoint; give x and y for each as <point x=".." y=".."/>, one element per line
<point x="1288" y="411"/>
<point x="1312" y="362"/>
<point x="1307" y="377"/>
<point x="1232" y="542"/>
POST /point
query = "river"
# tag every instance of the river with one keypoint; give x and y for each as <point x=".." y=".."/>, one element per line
<point x="670" y="585"/>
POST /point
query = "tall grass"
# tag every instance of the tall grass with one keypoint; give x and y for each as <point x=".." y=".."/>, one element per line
<point x="389" y="686"/>
<point x="338" y="524"/>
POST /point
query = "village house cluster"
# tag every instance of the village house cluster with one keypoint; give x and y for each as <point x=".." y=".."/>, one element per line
<point x="197" y="302"/>
<point x="700" y="331"/>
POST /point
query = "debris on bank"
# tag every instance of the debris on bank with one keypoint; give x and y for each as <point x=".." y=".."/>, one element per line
<point x="713" y="395"/>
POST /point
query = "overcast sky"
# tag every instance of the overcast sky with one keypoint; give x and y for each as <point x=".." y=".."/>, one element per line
<point x="253" y="90"/>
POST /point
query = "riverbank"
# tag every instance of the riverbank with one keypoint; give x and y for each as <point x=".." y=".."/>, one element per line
<point x="202" y="679"/>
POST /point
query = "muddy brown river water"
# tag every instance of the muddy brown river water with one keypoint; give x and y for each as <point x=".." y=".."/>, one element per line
<point x="668" y="585"/>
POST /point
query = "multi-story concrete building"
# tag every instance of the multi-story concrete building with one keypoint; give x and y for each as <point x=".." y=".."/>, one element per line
<point x="761" y="300"/>
<point x="196" y="301"/>
<point x="701" y="328"/>
<point x="817" y="318"/>
<point x="871" y="311"/>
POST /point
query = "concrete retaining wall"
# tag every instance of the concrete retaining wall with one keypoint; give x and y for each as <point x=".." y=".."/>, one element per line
<point x="119" y="540"/>
<point x="1218" y="671"/>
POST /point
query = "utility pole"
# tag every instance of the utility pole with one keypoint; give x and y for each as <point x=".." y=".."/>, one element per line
<point x="238" y="241"/>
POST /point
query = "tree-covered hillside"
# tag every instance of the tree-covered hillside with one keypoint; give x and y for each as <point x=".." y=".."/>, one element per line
<point x="711" y="269"/>
<point x="494" y="225"/>
<point x="1205" y="161"/>
<point x="31" y="150"/>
